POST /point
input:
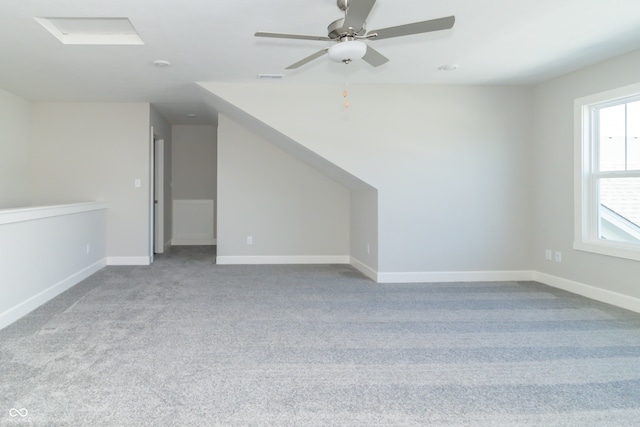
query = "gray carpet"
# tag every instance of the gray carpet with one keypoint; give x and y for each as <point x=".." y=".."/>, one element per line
<point x="188" y="342"/>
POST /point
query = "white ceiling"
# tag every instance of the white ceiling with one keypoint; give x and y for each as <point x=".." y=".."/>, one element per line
<point x="493" y="41"/>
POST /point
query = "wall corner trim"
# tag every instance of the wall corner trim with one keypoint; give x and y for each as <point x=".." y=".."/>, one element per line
<point x="364" y="269"/>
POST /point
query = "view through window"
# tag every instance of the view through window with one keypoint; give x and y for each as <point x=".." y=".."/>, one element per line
<point x="616" y="171"/>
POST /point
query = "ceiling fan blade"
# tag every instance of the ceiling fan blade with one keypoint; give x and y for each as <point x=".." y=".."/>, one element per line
<point x="308" y="59"/>
<point x="415" y="28"/>
<point x="357" y="13"/>
<point x="374" y="57"/>
<point x="290" y="36"/>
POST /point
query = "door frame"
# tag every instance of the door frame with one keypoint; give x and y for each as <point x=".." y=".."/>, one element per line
<point x="159" y="202"/>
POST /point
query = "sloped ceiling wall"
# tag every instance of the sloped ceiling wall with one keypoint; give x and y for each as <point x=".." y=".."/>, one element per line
<point x="452" y="164"/>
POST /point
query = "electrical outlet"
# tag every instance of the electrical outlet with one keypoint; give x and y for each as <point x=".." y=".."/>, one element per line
<point x="368" y="248"/>
<point x="558" y="256"/>
<point x="548" y="255"/>
<point x="249" y="240"/>
<point x="88" y="248"/>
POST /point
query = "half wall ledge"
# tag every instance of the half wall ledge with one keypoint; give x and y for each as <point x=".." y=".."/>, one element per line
<point x="13" y="215"/>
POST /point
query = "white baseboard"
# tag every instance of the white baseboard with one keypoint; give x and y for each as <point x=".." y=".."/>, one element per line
<point x="309" y="259"/>
<point x="455" y="276"/>
<point x="609" y="297"/>
<point x="193" y="241"/>
<point x="364" y="269"/>
<point x="131" y="260"/>
<point x="16" y="312"/>
<point x="598" y="294"/>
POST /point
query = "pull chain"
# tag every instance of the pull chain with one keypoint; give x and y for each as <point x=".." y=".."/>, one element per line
<point x="345" y="94"/>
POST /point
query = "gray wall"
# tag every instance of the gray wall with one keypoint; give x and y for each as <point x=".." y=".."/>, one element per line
<point x="363" y="224"/>
<point x="194" y="162"/>
<point x="84" y="152"/>
<point x="452" y="165"/>
<point x="15" y="185"/>
<point x="468" y="178"/>
<point x="162" y="130"/>
<point x="287" y="207"/>
<point x="554" y="178"/>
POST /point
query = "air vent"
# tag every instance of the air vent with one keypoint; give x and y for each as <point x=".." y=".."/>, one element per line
<point x="270" y="76"/>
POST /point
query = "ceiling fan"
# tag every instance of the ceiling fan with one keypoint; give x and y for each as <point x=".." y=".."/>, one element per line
<point x="348" y="33"/>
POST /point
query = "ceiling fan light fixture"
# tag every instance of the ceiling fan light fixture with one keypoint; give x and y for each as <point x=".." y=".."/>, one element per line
<point x="347" y="51"/>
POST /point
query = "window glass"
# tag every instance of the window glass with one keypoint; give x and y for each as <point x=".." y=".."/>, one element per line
<point x="612" y="138"/>
<point x="619" y="209"/>
<point x="633" y="135"/>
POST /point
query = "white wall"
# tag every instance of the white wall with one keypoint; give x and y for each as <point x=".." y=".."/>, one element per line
<point x="86" y="151"/>
<point x="15" y="185"/>
<point x="554" y="215"/>
<point x="293" y="212"/>
<point x="452" y="165"/>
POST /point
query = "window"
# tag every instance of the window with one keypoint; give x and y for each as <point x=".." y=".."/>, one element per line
<point x="608" y="173"/>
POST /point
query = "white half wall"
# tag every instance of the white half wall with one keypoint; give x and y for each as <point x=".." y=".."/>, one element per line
<point x="193" y="222"/>
<point x="287" y="208"/>
<point x="45" y="251"/>
<point x="15" y="181"/>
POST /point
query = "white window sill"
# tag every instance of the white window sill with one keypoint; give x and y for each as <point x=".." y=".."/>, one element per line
<point x="614" y="249"/>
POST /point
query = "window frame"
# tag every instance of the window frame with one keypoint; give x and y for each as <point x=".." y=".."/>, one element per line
<point x="587" y="174"/>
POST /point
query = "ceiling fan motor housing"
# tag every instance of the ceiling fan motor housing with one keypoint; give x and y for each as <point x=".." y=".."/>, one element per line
<point x="336" y="30"/>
